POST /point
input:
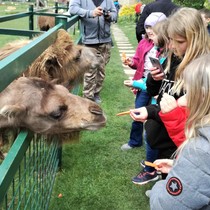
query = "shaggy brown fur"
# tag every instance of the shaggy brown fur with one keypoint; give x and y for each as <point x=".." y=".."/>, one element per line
<point x="46" y="22"/>
<point x="63" y="60"/>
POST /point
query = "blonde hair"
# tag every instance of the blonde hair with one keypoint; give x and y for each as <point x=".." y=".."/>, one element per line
<point x="197" y="84"/>
<point x="188" y="23"/>
<point x="160" y="29"/>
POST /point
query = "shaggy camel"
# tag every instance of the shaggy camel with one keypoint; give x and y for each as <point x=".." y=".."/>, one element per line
<point x="63" y="60"/>
<point x="46" y="22"/>
<point x="47" y="108"/>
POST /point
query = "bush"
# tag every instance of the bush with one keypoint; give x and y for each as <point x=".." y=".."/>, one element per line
<point x="127" y="13"/>
<point x="190" y="3"/>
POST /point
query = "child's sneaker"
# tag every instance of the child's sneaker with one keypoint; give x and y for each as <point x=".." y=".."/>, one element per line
<point x="144" y="177"/>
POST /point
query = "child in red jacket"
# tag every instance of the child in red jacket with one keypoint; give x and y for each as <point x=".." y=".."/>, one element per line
<point x="174" y="114"/>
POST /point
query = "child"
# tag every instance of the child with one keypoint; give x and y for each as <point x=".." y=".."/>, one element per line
<point x="205" y="14"/>
<point x="185" y="26"/>
<point x="187" y="184"/>
<point x="141" y="62"/>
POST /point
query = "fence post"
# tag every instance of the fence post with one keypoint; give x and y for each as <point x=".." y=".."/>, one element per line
<point x="56" y="7"/>
<point x="31" y="17"/>
<point x="61" y="19"/>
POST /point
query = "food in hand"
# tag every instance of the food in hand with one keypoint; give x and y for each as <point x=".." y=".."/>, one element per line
<point x="128" y="83"/>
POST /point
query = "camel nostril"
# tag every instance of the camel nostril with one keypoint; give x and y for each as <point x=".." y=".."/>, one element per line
<point x="95" y="110"/>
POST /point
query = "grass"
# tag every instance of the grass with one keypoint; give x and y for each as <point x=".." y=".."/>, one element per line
<point x="95" y="173"/>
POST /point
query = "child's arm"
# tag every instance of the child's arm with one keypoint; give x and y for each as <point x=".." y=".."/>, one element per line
<point x="139" y="84"/>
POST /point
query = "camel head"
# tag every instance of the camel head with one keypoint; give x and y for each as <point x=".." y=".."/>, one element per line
<point x="47" y="108"/>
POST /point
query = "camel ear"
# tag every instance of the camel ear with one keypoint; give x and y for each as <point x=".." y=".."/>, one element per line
<point x="68" y="47"/>
<point x="52" y="61"/>
<point x="51" y="66"/>
<point x="12" y="111"/>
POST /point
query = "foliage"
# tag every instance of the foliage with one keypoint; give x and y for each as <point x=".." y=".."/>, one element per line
<point x="127" y="13"/>
<point x="96" y="174"/>
<point x="191" y="3"/>
<point x="207" y="4"/>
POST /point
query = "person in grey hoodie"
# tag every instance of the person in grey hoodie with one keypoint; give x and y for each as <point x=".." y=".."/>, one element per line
<point x="96" y="18"/>
<point x="188" y="181"/>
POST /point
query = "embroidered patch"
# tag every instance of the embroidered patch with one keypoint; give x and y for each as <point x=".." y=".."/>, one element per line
<point x="174" y="186"/>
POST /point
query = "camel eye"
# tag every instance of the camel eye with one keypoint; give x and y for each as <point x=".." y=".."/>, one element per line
<point x="57" y="114"/>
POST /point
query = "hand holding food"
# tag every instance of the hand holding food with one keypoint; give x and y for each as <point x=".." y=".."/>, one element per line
<point x="164" y="165"/>
<point x="126" y="60"/>
<point x="128" y="83"/>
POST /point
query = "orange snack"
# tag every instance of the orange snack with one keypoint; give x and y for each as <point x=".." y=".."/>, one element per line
<point x="123" y="56"/>
<point x="60" y="195"/>
<point x="123" y="113"/>
<point x="147" y="163"/>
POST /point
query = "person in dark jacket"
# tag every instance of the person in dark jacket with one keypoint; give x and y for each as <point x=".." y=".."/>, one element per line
<point x="164" y="6"/>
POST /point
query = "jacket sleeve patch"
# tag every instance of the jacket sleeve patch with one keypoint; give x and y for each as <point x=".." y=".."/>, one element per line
<point x="174" y="186"/>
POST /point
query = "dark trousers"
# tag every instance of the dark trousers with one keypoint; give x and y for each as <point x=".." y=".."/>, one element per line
<point x="136" y="134"/>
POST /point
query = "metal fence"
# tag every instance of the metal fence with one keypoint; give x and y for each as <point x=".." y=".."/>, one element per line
<point x="27" y="173"/>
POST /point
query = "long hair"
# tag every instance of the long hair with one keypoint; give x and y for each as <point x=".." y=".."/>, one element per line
<point x="188" y="23"/>
<point x="197" y="84"/>
<point x="160" y="29"/>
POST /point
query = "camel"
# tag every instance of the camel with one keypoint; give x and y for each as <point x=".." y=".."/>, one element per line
<point x="63" y="60"/>
<point x="47" y="108"/>
<point x="46" y="22"/>
<point x="64" y="63"/>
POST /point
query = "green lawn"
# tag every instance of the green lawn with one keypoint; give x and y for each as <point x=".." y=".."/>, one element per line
<point x="96" y="174"/>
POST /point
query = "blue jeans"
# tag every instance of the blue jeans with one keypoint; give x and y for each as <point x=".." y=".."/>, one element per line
<point x="142" y="99"/>
<point x="151" y="155"/>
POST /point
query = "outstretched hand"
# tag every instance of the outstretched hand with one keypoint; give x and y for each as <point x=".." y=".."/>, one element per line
<point x="164" y="165"/>
<point x="167" y="103"/>
<point x="139" y="114"/>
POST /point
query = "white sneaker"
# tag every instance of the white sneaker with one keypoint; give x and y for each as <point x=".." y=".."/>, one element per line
<point x="147" y="193"/>
<point x="126" y="147"/>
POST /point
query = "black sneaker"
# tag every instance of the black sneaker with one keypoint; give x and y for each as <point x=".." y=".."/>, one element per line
<point x="144" y="177"/>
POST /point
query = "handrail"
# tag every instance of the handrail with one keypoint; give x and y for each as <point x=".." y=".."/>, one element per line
<point x="10" y="165"/>
<point x="14" y="65"/>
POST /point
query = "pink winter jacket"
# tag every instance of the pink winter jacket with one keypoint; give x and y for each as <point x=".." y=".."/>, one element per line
<point x="143" y="47"/>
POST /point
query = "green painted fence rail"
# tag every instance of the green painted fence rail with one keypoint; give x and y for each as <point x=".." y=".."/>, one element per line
<point x="28" y="172"/>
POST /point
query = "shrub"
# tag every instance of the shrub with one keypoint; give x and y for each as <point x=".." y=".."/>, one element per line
<point x="127" y="13"/>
